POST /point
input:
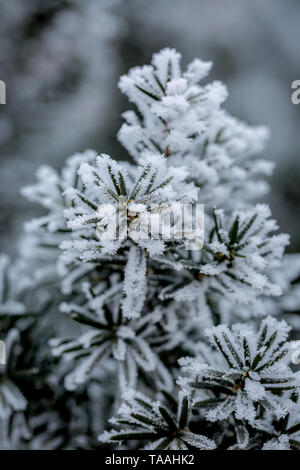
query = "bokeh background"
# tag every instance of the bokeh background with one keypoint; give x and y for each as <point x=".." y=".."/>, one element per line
<point x="61" y="60"/>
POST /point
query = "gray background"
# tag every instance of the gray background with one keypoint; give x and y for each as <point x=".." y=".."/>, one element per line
<point x="61" y="60"/>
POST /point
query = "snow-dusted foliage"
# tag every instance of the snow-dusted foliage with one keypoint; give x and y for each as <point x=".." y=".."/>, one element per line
<point x="249" y="373"/>
<point x="169" y="103"/>
<point x="166" y="426"/>
<point x="183" y="119"/>
<point x="287" y="434"/>
<point x="132" y="344"/>
<point x="114" y="296"/>
<point x="12" y="399"/>
<point x="116" y="201"/>
<point x="240" y="249"/>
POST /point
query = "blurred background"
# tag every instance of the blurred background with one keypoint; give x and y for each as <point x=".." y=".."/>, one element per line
<point x="61" y="60"/>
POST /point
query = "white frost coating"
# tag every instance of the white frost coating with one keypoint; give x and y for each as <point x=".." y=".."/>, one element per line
<point x="140" y="302"/>
<point x="145" y="415"/>
<point x="252" y="366"/>
<point x="135" y="283"/>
